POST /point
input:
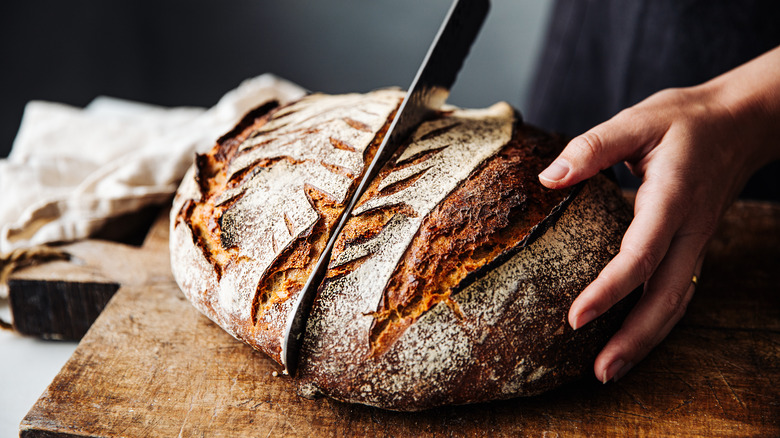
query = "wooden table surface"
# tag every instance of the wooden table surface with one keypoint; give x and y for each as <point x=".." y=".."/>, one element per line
<point x="152" y="366"/>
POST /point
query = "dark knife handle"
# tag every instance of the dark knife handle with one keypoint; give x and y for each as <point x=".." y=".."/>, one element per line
<point x="444" y="61"/>
<point x="438" y="71"/>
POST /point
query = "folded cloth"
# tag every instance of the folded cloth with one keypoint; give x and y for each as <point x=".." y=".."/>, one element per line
<point x="71" y="170"/>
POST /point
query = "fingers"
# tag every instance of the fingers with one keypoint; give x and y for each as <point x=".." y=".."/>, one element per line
<point x="644" y="246"/>
<point x="663" y="304"/>
<point x="659" y="252"/>
<point x="621" y="138"/>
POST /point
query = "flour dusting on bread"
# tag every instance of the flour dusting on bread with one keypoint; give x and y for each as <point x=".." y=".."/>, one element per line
<point x="273" y="189"/>
<point x="450" y="282"/>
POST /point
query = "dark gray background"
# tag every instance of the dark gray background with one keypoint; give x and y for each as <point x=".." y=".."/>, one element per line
<point x="191" y="52"/>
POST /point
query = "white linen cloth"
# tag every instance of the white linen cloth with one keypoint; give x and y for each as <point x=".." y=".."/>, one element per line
<point x="71" y="170"/>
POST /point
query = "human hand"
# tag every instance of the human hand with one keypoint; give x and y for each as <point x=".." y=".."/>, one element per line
<point x="694" y="149"/>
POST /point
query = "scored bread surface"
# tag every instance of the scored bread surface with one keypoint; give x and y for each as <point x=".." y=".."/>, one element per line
<point x="433" y="297"/>
<point x="502" y="336"/>
<point x="259" y="207"/>
<point x="452" y="278"/>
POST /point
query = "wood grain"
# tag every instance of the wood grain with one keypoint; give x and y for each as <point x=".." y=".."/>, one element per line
<point x="152" y="366"/>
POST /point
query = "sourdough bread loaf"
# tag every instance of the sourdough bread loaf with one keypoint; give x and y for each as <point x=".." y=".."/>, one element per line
<point x="452" y="279"/>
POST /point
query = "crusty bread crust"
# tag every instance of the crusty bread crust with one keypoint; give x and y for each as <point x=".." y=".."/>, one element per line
<point x="452" y="279"/>
<point x="504" y="335"/>
<point x="253" y="214"/>
<point x="462" y="298"/>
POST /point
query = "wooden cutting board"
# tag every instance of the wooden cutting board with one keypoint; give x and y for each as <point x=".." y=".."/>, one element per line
<point x="152" y="366"/>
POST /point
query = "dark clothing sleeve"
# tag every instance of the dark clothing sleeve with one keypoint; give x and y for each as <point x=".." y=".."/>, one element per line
<point x="601" y="56"/>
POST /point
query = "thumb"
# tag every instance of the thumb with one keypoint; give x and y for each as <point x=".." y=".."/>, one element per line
<point x="608" y="143"/>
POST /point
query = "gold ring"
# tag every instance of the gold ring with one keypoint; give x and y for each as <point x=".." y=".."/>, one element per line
<point x="695" y="280"/>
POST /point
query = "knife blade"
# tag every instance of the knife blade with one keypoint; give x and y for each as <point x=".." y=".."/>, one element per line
<point x="427" y="93"/>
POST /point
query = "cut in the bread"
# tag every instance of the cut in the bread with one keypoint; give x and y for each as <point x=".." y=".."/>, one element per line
<point x="452" y="279"/>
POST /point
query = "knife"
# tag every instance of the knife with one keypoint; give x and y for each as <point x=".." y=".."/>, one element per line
<point x="427" y="93"/>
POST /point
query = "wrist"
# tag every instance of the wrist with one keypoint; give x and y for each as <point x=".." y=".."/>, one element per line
<point x="749" y="99"/>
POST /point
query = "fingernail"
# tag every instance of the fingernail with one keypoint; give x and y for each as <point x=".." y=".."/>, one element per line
<point x="612" y="370"/>
<point x="584" y="318"/>
<point x="555" y="171"/>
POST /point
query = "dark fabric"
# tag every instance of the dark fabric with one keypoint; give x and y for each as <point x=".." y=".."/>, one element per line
<point x="601" y="56"/>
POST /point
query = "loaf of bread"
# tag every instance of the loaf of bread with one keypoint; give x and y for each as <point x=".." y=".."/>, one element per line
<point x="452" y="279"/>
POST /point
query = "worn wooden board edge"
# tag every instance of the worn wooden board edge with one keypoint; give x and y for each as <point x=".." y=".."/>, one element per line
<point x="713" y="376"/>
<point x="57" y="310"/>
<point x="61" y="299"/>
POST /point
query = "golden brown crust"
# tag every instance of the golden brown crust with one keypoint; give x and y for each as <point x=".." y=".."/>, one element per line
<point x="451" y="281"/>
<point x="222" y="184"/>
<point x="509" y="337"/>
<point x="492" y="212"/>
<point x="475" y="308"/>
